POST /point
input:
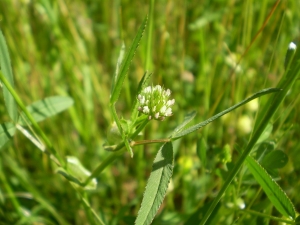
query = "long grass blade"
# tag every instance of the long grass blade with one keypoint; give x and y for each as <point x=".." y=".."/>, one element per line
<point x="5" y="65"/>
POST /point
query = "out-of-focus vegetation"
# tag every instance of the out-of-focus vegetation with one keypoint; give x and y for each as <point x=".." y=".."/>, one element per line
<point x="71" y="48"/>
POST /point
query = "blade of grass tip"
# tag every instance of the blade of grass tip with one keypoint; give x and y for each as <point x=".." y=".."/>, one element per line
<point x="5" y="66"/>
<point x="285" y="83"/>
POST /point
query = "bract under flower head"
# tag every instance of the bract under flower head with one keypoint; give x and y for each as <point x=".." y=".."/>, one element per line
<point x="154" y="102"/>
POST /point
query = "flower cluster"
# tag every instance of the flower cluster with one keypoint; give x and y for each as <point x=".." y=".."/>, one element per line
<point x="154" y="102"/>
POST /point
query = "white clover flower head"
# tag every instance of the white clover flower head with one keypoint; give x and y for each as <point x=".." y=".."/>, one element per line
<point x="154" y="102"/>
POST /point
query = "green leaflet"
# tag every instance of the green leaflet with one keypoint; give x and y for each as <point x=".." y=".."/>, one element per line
<point x="157" y="185"/>
<point x="120" y="77"/>
<point x="276" y="195"/>
<point x="275" y="159"/>
<point x="47" y="107"/>
<point x="5" y="66"/>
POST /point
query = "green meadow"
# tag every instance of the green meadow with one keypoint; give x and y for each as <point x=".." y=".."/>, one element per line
<point x="87" y="136"/>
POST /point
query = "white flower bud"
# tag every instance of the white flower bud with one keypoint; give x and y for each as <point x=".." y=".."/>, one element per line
<point x="156" y="115"/>
<point x="146" y="110"/>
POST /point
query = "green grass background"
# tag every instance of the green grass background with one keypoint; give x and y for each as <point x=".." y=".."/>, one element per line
<point x="71" y="47"/>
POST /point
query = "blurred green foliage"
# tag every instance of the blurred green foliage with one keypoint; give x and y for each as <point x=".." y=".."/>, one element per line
<point x="71" y="47"/>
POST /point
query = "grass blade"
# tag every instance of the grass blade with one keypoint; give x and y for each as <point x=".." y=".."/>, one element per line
<point x="126" y="63"/>
<point x="157" y="185"/>
<point x="276" y="195"/>
<point x="25" y="182"/>
<point x="263" y="120"/>
<point x="204" y="123"/>
<point x="5" y="66"/>
<point x="286" y="82"/>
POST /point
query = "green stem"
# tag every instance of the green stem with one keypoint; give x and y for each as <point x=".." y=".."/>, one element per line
<point x="139" y="129"/>
<point x="118" y="151"/>
<point x="33" y="122"/>
<point x="106" y="162"/>
<point x="89" y="210"/>
<point x="267" y="216"/>
<point x="143" y="142"/>
<point x="250" y="204"/>
<point x="11" y="194"/>
<point x="116" y="119"/>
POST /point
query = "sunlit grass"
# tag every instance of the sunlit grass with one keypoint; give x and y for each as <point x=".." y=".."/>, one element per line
<point x="71" y="48"/>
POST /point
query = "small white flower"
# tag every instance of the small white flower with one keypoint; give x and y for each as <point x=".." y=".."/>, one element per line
<point x="154" y="102"/>
<point x="142" y="99"/>
<point x="146" y="110"/>
<point x="163" y="109"/>
<point x="168" y="112"/>
<point x="156" y="115"/>
<point x="168" y="92"/>
<point x="148" y="89"/>
<point x="170" y="102"/>
<point x="158" y="88"/>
